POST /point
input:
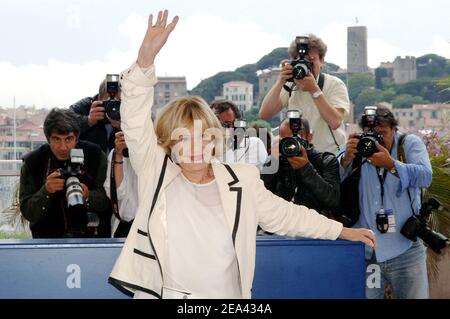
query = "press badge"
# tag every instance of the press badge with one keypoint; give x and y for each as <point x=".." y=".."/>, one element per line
<point x="391" y="220"/>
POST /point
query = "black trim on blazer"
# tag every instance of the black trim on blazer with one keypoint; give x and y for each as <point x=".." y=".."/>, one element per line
<point x="121" y="284"/>
<point x="139" y="252"/>
<point x="238" y="202"/>
<point x="230" y="170"/>
<point x="141" y="232"/>
<point x="155" y="198"/>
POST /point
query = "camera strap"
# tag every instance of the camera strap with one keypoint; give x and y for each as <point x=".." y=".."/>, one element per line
<point x="113" y="190"/>
<point x="382" y="179"/>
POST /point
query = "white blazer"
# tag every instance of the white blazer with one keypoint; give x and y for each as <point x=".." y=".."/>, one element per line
<point x="246" y="202"/>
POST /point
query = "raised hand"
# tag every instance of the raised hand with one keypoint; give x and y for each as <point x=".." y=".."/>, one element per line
<point x="155" y="38"/>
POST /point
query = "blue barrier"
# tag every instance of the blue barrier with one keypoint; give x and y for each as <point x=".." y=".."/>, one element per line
<point x="79" y="268"/>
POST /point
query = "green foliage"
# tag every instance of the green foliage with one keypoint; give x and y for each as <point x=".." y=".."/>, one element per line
<point x="211" y="87"/>
<point x="431" y="66"/>
<point x="358" y="83"/>
<point x="369" y="96"/>
<point x="380" y="73"/>
<point x="407" y="100"/>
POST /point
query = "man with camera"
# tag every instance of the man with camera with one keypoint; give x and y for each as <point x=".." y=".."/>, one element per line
<point x="61" y="183"/>
<point x="242" y="147"/>
<point x="99" y="116"/>
<point x="305" y="176"/>
<point x="322" y="98"/>
<point x="390" y="169"/>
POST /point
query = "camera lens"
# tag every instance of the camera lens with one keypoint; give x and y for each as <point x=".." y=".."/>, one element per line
<point x="74" y="192"/>
<point x="300" y="71"/>
<point x="112" y="109"/>
<point x="290" y="147"/>
<point x="367" y="146"/>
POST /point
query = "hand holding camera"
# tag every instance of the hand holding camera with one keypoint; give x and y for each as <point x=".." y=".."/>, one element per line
<point x="285" y="72"/>
<point x="97" y="113"/>
<point x="120" y="146"/>
<point x="350" y="150"/>
<point x="382" y="158"/>
<point x="307" y="84"/>
<point x="298" y="162"/>
<point x="54" y="182"/>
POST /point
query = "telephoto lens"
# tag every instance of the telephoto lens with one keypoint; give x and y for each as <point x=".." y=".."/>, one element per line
<point x="74" y="192"/>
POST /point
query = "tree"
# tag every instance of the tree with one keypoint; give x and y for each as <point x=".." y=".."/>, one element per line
<point x="359" y="82"/>
<point x="369" y="96"/>
<point x="406" y="101"/>
<point x="380" y="73"/>
<point x="431" y="66"/>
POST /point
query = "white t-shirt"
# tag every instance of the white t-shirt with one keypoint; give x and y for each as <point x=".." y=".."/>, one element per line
<point x="200" y="258"/>
<point x="336" y="94"/>
<point x="251" y="150"/>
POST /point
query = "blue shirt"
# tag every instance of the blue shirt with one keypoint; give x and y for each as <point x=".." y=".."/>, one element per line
<point x="416" y="173"/>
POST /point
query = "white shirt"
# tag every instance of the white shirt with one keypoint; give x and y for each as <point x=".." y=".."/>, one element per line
<point x="200" y="259"/>
<point x="127" y="192"/>
<point x="336" y="94"/>
<point x="251" y="150"/>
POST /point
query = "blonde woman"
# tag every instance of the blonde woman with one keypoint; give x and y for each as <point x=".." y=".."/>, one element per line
<point x="194" y="235"/>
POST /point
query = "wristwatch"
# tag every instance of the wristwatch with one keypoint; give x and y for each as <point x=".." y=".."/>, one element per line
<point x="393" y="170"/>
<point x="315" y="95"/>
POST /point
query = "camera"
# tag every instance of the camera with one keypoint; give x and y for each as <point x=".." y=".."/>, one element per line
<point x="366" y="146"/>
<point x="78" y="218"/>
<point x="301" y="66"/>
<point x="112" y="105"/>
<point x="292" y="146"/>
<point x="417" y="226"/>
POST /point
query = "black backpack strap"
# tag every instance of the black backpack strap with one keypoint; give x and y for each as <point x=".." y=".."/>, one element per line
<point x="400" y="149"/>
<point x="321" y="83"/>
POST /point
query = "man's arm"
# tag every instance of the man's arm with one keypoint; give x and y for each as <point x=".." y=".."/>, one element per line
<point x="81" y="109"/>
<point x="34" y="202"/>
<point x="326" y="188"/>
<point x="417" y="171"/>
<point x="272" y="102"/>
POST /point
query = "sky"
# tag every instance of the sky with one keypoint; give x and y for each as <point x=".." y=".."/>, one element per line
<point x="55" y="52"/>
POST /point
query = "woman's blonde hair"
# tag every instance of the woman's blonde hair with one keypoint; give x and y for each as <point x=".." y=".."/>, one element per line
<point x="181" y="113"/>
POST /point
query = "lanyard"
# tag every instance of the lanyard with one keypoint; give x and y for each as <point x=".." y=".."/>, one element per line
<point x="382" y="179"/>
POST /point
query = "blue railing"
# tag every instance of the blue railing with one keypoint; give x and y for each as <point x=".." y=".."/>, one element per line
<point x="79" y="268"/>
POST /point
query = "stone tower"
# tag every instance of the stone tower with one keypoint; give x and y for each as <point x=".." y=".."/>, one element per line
<point x="357" y="50"/>
<point x="405" y="69"/>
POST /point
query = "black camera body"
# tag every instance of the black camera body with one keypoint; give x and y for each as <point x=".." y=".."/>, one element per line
<point x="292" y="146"/>
<point x="301" y="66"/>
<point x="417" y="226"/>
<point x="367" y="140"/>
<point x="112" y="105"/>
<point x="78" y="218"/>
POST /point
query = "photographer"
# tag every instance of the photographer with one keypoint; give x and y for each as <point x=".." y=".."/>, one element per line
<point x="95" y="125"/>
<point x="121" y="187"/>
<point x="386" y="194"/>
<point x="310" y="179"/>
<point x="43" y="182"/>
<point x="241" y="148"/>
<point x="322" y="98"/>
